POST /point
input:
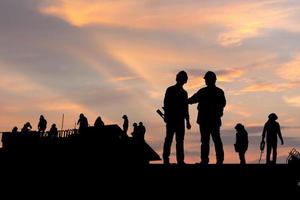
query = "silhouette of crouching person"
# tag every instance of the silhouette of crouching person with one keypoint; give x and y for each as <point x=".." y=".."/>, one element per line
<point x="176" y="112"/>
<point x="53" y="133"/>
<point x="26" y="128"/>
<point x="241" y="144"/>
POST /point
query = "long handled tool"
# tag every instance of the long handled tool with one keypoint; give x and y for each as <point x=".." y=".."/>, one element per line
<point x="262" y="148"/>
<point x="161" y="114"/>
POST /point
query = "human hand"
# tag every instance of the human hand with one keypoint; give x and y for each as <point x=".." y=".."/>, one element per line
<point x="188" y="125"/>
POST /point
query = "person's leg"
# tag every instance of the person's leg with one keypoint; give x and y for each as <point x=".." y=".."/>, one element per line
<point x="180" y="130"/>
<point x="205" y="137"/>
<point x="168" y="143"/>
<point x="274" y="146"/>
<point x="268" y="152"/>
<point x="242" y="158"/>
<point x="218" y="144"/>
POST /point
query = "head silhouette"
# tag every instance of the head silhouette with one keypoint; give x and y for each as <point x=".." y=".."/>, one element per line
<point x="124" y="117"/>
<point x="210" y="78"/>
<point x="239" y="127"/>
<point x="181" y="78"/>
<point x="135" y="124"/>
<point x="81" y="115"/>
<point x="42" y="117"/>
<point x="53" y="126"/>
<point x="15" y="129"/>
<point x="273" y="117"/>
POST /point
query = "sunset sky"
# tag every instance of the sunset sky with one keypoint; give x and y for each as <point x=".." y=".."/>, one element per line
<point x="115" y="57"/>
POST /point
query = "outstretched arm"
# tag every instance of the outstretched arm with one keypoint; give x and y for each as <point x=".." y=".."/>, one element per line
<point x="194" y="99"/>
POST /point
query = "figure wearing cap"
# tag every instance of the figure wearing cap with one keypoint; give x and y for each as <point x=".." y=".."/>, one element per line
<point x="270" y="132"/>
<point x="211" y="102"/>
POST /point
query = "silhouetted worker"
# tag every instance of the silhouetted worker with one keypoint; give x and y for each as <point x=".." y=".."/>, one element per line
<point x="135" y="130"/>
<point x="271" y="130"/>
<point x="211" y="102"/>
<point x="99" y="123"/>
<point x="141" y="132"/>
<point x="42" y="125"/>
<point x="241" y="144"/>
<point x="82" y="122"/>
<point x="14" y="130"/>
<point x="176" y="112"/>
<point x="125" y="124"/>
<point x="26" y="128"/>
<point x="53" y="133"/>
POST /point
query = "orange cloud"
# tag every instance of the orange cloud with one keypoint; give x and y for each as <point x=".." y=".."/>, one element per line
<point x="291" y="69"/>
<point x="238" y="110"/>
<point x="241" y="20"/>
<point x="293" y="101"/>
<point x="270" y="87"/>
<point x="18" y="84"/>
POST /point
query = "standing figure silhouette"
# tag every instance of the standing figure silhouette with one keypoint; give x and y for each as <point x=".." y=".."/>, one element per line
<point x="211" y="102"/>
<point x="271" y="130"/>
<point x="125" y="124"/>
<point x="176" y="112"/>
<point x="241" y="144"/>
<point x="83" y="123"/>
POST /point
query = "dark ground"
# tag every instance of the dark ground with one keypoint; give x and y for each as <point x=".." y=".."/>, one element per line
<point x="95" y="180"/>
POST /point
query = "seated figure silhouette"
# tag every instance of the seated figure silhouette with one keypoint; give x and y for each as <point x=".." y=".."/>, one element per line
<point x="26" y="128"/>
<point x="82" y="122"/>
<point x="42" y="125"/>
<point x="176" y="112"/>
<point x="241" y="144"/>
<point x="99" y="123"/>
<point x="53" y="133"/>
<point x="14" y="130"/>
<point x="271" y="131"/>
<point x="211" y="102"/>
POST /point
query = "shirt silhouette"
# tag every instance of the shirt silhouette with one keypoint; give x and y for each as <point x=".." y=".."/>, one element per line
<point x="176" y="112"/>
<point x="211" y="102"/>
<point x="271" y="131"/>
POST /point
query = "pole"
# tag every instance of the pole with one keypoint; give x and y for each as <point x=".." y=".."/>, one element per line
<point x="62" y="121"/>
<point x="262" y="147"/>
